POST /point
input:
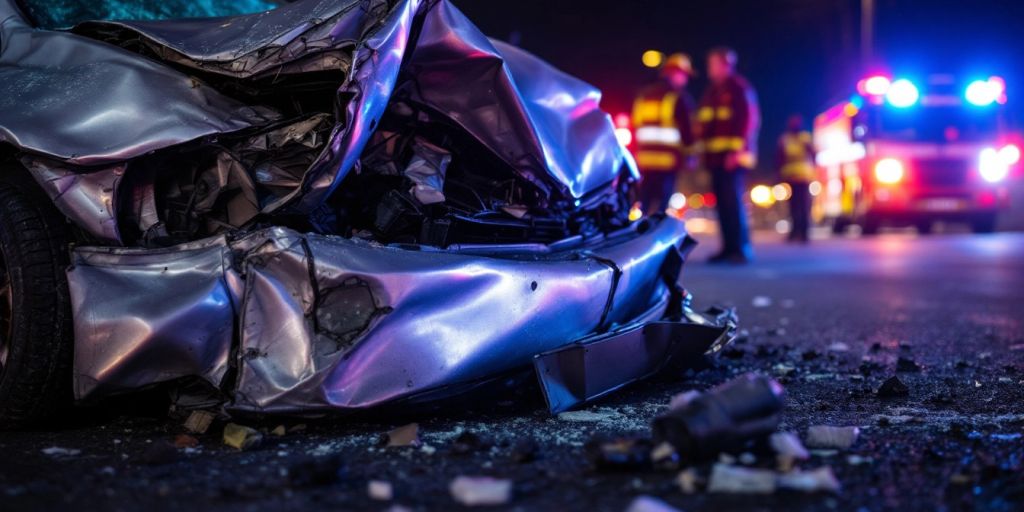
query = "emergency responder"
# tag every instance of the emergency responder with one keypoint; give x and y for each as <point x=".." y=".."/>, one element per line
<point x="796" y="166"/>
<point x="663" y="124"/>
<point x="728" y="119"/>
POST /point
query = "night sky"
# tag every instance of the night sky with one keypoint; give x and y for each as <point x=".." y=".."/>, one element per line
<point x="799" y="54"/>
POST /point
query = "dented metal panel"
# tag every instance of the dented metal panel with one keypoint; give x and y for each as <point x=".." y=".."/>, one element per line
<point x="327" y="323"/>
<point x="147" y="316"/>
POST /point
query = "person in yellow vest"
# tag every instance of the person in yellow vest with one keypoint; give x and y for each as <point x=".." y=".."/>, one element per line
<point x="796" y="166"/>
<point x="663" y="130"/>
<point x="728" y="120"/>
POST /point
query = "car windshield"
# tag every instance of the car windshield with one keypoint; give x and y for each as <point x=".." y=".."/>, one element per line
<point x="53" y="14"/>
<point x="938" y="124"/>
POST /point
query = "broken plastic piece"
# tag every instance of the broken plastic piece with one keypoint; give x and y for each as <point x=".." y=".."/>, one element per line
<point x="739" y="480"/>
<point x="199" y="421"/>
<point x="406" y="435"/>
<point x="824" y="436"/>
<point x="241" y="437"/>
<point x="723" y="418"/>
<point x="649" y="504"/>
<point x="474" y="491"/>
<point x="817" y="480"/>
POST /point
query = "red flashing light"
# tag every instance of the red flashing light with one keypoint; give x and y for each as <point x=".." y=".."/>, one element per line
<point x="621" y="120"/>
<point x="710" y="200"/>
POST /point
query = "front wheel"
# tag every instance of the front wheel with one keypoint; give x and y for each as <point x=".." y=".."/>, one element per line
<point x="36" y="346"/>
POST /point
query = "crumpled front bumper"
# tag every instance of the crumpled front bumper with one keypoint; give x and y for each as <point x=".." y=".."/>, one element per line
<point x="285" y="322"/>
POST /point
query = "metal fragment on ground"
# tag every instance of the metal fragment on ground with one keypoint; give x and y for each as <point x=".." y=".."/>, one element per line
<point x="740" y="480"/>
<point x="787" y="444"/>
<point x="825" y="436"/>
<point x="893" y="387"/>
<point x="649" y="504"/>
<point x="474" y="491"/>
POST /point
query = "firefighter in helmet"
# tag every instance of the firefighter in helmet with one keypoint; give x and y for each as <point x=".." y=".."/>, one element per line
<point x="662" y="120"/>
<point x="728" y="119"/>
<point x="796" y="166"/>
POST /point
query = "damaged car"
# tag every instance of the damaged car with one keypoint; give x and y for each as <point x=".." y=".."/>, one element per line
<point x="316" y="206"/>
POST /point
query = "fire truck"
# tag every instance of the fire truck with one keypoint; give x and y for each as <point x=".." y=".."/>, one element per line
<point x="909" y="151"/>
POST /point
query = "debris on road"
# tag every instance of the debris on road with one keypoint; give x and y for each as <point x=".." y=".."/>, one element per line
<point x="185" y="441"/>
<point x="158" y="454"/>
<point x="893" y="387"/>
<point x="380" y="490"/>
<point x="198" y="422"/>
<point x="474" y="491"/>
<point x="817" y="480"/>
<point x="824" y="436"/>
<point x="723" y="418"/>
<point x="279" y="431"/>
<point x="688" y="480"/>
<point x="524" y="450"/>
<point x="788" y="449"/>
<point x="908" y="365"/>
<point x="649" y="504"/>
<point x="57" y="451"/>
<point x="588" y="416"/>
<point x="761" y="301"/>
<point x="406" y="435"/>
<point x="468" y="442"/>
<point x="620" y="454"/>
<point x="730" y="479"/>
<point x="241" y="437"/>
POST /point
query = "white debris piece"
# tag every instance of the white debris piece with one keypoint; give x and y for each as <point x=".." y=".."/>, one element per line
<point x="687" y="480"/>
<point x="788" y="445"/>
<point x="682" y="399"/>
<point x="740" y="480"/>
<point x="817" y="480"/>
<point x="588" y="416"/>
<point x="472" y="491"/>
<point x="57" y="451"/>
<point x="649" y="504"/>
<point x="839" y="346"/>
<point x="380" y="490"/>
<point x="761" y="301"/>
<point x="824" y="436"/>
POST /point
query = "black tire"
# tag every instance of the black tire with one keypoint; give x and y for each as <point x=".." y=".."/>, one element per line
<point x="984" y="224"/>
<point x="36" y="342"/>
<point x="925" y="227"/>
<point x="839" y="225"/>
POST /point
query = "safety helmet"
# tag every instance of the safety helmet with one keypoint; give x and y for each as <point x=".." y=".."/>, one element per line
<point x="679" y="61"/>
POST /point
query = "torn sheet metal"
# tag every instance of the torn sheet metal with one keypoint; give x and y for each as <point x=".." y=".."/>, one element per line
<point x="600" y="364"/>
<point x="533" y="116"/>
<point x="89" y="199"/>
<point x="91" y="103"/>
<point x="147" y="316"/>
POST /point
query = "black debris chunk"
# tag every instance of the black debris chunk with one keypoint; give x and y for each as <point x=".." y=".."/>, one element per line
<point x="159" y="453"/>
<point x="722" y="419"/>
<point x="525" y="450"/>
<point x="620" y="454"/>
<point x="468" y="442"/>
<point x="893" y="387"/>
<point x="906" y="364"/>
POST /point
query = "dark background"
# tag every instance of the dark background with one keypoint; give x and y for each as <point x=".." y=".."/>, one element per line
<point x="800" y="54"/>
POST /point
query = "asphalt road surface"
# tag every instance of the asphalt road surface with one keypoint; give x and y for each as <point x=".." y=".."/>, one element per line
<point x="830" y="321"/>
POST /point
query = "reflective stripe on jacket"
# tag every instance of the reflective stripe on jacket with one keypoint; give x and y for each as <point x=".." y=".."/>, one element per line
<point x="662" y="128"/>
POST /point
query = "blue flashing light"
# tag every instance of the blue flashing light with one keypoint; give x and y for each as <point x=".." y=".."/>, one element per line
<point x="982" y="93"/>
<point x="902" y="94"/>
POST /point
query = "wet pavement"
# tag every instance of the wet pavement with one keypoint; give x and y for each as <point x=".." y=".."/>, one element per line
<point x="833" y="322"/>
